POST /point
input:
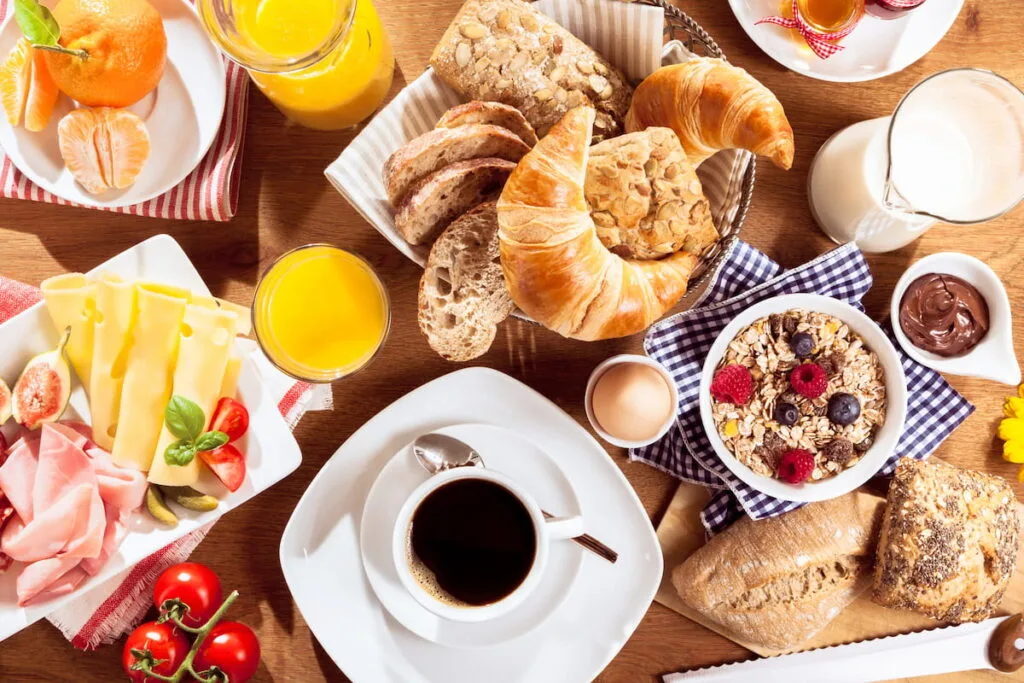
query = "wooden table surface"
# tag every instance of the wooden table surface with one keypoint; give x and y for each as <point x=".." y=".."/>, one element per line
<point x="285" y="202"/>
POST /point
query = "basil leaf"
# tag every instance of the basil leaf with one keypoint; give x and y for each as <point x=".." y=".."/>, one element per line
<point x="211" y="441"/>
<point x="180" y="453"/>
<point x="36" y="22"/>
<point x="184" y="418"/>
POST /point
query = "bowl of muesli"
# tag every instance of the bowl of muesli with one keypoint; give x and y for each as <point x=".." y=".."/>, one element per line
<point x="803" y="397"/>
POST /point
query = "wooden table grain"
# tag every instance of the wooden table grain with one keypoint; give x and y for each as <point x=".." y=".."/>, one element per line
<point x="285" y="202"/>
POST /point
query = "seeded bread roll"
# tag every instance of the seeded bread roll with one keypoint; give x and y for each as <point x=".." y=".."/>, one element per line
<point x="493" y="113"/>
<point x="507" y="51"/>
<point x="949" y="542"/>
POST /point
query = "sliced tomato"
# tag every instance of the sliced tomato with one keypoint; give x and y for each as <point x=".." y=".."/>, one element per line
<point x="228" y="463"/>
<point x="230" y="417"/>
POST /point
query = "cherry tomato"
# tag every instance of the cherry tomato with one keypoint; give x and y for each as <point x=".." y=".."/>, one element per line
<point x="163" y="642"/>
<point x="193" y="584"/>
<point x="228" y="463"/>
<point x="231" y="647"/>
<point x="230" y="417"/>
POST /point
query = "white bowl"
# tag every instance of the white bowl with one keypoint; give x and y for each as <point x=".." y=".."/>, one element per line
<point x="618" y="360"/>
<point x="885" y="439"/>
<point x="994" y="357"/>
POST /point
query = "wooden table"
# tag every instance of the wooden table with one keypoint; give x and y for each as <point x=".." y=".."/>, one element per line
<point x="285" y="202"/>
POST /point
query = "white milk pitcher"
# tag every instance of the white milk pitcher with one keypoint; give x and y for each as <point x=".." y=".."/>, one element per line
<point x="953" y="151"/>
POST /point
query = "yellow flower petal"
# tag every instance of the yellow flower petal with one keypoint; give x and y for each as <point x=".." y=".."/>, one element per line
<point x="1011" y="428"/>
<point x="1014" y="407"/>
<point x="1020" y="390"/>
<point x="1013" y="451"/>
<point x="732" y="428"/>
<point x="1020" y="475"/>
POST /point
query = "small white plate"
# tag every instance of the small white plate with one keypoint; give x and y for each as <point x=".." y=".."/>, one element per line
<point x="876" y="48"/>
<point x="321" y="558"/>
<point x="502" y="451"/>
<point x="271" y="450"/>
<point x="994" y="357"/>
<point x="182" y="116"/>
<point x="886" y="438"/>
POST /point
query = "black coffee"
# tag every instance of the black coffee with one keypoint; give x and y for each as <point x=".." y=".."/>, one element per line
<point x="475" y="540"/>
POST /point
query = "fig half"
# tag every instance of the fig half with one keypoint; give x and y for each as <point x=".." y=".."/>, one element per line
<point x="42" y="392"/>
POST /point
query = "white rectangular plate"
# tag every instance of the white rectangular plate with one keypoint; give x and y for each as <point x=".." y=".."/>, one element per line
<point x="271" y="451"/>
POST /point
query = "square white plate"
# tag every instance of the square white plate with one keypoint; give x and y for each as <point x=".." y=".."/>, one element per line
<point x="271" y="451"/>
<point x="321" y="559"/>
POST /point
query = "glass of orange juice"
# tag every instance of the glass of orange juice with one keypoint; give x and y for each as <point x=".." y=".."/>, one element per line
<point x="320" y="313"/>
<point x="326" y="64"/>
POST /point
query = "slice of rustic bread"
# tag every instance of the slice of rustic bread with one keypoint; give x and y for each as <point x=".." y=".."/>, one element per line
<point x="494" y="113"/>
<point x="463" y="295"/>
<point x="441" y="197"/>
<point x="442" y="147"/>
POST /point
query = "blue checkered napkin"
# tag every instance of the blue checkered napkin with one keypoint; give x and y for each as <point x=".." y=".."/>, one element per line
<point x="681" y="343"/>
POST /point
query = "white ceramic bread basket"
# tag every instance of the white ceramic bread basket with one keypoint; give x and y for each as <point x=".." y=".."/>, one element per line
<point x="631" y="36"/>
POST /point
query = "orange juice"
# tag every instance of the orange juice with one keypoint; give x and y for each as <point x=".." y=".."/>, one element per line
<point x="320" y="313"/>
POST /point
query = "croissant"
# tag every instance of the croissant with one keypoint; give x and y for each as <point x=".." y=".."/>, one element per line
<point x="712" y="105"/>
<point x="556" y="268"/>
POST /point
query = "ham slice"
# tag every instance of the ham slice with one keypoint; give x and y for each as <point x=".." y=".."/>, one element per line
<point x="69" y="505"/>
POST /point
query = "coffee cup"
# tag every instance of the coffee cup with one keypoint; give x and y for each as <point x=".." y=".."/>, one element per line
<point x="477" y="566"/>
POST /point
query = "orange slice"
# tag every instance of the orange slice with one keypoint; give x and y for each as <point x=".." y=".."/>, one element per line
<point x="26" y="87"/>
<point x="104" y="148"/>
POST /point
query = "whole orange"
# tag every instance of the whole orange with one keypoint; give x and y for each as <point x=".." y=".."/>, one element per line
<point x="126" y="50"/>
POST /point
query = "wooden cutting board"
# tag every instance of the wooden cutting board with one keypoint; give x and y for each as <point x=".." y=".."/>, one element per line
<point x="681" y="533"/>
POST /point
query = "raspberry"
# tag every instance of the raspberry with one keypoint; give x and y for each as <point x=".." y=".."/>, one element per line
<point x="808" y="380"/>
<point x="732" y="384"/>
<point x="795" y="466"/>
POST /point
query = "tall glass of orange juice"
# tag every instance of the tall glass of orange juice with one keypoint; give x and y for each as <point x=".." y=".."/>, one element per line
<point x="326" y="64"/>
<point x="320" y="313"/>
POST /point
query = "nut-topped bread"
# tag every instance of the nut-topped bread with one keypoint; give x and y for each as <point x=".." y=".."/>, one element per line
<point x="507" y="51"/>
<point x="949" y="542"/>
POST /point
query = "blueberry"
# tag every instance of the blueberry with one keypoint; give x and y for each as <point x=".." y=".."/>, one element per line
<point x="802" y="344"/>
<point x="786" y="414"/>
<point x="843" y="409"/>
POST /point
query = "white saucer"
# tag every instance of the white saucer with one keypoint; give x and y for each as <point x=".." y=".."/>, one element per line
<point x="182" y="116"/>
<point x="505" y="452"/>
<point x="876" y="48"/>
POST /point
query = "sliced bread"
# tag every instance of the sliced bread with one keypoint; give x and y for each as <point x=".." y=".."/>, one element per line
<point x="494" y="113"/>
<point x="442" y="147"/>
<point x="463" y="295"/>
<point x="441" y="197"/>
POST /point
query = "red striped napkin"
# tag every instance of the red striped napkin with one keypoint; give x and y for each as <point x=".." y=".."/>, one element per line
<point x="113" y="608"/>
<point x="209" y="193"/>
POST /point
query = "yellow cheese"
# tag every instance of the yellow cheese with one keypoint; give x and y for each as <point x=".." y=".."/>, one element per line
<point x="71" y="302"/>
<point x="149" y="374"/>
<point x="244" y="313"/>
<point x="229" y="387"/>
<point x="115" y="317"/>
<point x="207" y="337"/>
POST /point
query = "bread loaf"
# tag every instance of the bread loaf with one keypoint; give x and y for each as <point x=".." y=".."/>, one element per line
<point x="507" y="51"/>
<point x="493" y="113"/>
<point x="777" y="582"/>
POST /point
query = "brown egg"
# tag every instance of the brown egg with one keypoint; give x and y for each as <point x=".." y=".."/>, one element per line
<point x="631" y="402"/>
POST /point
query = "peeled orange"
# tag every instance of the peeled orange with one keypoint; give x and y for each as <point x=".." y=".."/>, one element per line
<point x="26" y="87"/>
<point x="104" y="148"/>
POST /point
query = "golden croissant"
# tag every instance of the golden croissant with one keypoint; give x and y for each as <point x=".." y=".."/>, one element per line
<point x="712" y="105"/>
<point x="556" y="268"/>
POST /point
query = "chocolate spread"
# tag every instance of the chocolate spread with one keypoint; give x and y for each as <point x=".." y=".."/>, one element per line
<point x="943" y="314"/>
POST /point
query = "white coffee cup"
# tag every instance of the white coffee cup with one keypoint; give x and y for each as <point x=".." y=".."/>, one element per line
<point x="546" y="530"/>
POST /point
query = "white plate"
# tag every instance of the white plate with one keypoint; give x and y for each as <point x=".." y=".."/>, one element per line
<point x="183" y="116"/>
<point x="502" y="451"/>
<point x="271" y="450"/>
<point x="886" y="438"/>
<point x="320" y="552"/>
<point x="876" y="48"/>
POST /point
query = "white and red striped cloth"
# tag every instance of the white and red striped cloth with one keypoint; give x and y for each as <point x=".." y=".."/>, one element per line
<point x="209" y="193"/>
<point x="113" y="608"/>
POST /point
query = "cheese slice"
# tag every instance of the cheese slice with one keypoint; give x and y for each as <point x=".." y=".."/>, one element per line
<point x="244" y="313"/>
<point x="71" y="302"/>
<point x="229" y="387"/>
<point x="149" y="374"/>
<point x="115" y="318"/>
<point x="207" y="338"/>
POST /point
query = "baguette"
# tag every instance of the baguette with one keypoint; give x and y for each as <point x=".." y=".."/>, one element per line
<point x="493" y="113"/>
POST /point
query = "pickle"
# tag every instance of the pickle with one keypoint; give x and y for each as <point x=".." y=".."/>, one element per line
<point x="190" y="499"/>
<point x="158" y="509"/>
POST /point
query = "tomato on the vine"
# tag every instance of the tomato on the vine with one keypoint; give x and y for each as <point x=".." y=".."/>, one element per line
<point x="192" y="584"/>
<point x="164" y="643"/>
<point x="231" y="647"/>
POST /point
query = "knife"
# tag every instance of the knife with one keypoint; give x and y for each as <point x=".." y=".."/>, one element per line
<point x="993" y="644"/>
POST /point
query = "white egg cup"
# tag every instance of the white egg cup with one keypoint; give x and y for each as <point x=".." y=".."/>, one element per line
<point x="994" y="357"/>
<point x="620" y="360"/>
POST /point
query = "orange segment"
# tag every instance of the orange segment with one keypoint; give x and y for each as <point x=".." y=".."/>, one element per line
<point x="42" y="94"/>
<point x="15" y="74"/>
<point x="104" y="148"/>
